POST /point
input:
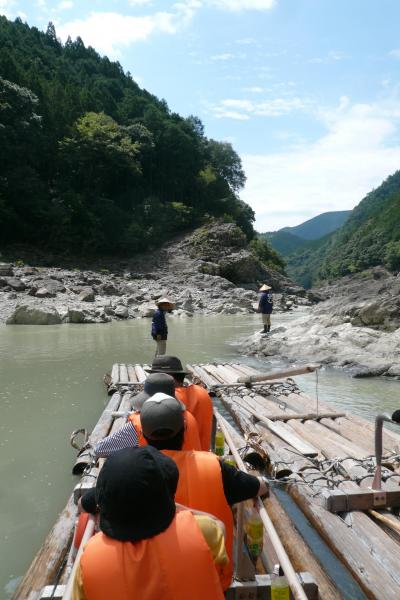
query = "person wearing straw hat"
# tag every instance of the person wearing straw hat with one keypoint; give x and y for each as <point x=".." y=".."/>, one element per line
<point x="265" y="306"/>
<point x="159" y="329"/>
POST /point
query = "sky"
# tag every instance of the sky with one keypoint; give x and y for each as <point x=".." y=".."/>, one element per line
<point x="307" y="91"/>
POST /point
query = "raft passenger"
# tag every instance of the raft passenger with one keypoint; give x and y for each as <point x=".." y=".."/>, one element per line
<point x="147" y="548"/>
<point x="195" y="397"/>
<point x="131" y="433"/>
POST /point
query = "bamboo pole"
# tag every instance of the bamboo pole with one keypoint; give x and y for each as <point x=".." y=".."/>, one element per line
<point x="278" y="374"/>
<point x="284" y="561"/>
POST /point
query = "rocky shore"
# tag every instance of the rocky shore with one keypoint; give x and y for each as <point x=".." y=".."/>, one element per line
<point x="355" y="326"/>
<point x="208" y="271"/>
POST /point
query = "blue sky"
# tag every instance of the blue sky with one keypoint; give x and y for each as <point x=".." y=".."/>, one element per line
<point x="307" y="91"/>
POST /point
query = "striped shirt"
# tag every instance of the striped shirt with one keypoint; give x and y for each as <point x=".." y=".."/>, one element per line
<point x="123" y="438"/>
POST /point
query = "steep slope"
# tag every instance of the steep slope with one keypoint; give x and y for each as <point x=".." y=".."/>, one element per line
<point x="370" y="237"/>
<point x="91" y="163"/>
<point x="319" y="226"/>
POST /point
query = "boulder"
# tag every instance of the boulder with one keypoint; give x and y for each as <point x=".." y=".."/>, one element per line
<point x="29" y="315"/>
<point x="75" y="316"/>
<point x="146" y="310"/>
<point x="52" y="285"/>
<point x="15" y="283"/>
<point x="87" y="295"/>
<point x="43" y="292"/>
<point x="109" y="289"/>
<point x="6" y="270"/>
<point x="121" y="311"/>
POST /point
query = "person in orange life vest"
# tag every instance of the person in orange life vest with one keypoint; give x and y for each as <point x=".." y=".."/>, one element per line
<point x="147" y="548"/>
<point x="195" y="397"/>
<point x="131" y="433"/>
<point x="205" y="482"/>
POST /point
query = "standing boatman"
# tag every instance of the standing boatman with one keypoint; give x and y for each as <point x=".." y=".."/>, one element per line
<point x="266" y="306"/>
<point x="159" y="329"/>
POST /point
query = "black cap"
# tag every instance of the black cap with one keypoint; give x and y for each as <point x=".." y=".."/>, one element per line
<point x="166" y="364"/>
<point x="155" y="382"/>
<point x="135" y="492"/>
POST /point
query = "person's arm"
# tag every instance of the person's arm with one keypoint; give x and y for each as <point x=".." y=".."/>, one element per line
<point x="123" y="438"/>
<point x="78" y="593"/>
<point x="214" y="537"/>
<point x="239" y="486"/>
<point x="201" y="513"/>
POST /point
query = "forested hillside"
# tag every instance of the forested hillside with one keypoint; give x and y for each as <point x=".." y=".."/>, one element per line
<point x="91" y="163"/>
<point x="370" y="237"/>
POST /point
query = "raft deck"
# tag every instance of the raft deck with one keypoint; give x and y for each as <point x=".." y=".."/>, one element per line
<point x="313" y="452"/>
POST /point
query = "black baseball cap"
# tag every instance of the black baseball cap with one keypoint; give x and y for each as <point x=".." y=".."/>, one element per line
<point x="135" y="493"/>
<point x="155" y="382"/>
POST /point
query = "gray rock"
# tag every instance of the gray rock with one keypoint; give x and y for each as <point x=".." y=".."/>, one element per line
<point x="6" y="270"/>
<point x="29" y="315"/>
<point x="87" y="295"/>
<point x="15" y="283"/>
<point x="75" y="316"/>
<point x="52" y="285"/>
<point x="121" y="311"/>
<point x="43" y="292"/>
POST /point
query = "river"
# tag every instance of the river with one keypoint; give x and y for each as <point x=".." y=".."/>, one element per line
<point x="51" y="383"/>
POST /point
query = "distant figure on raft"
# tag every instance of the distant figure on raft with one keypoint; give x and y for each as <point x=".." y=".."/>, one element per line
<point x="266" y="306"/>
<point x="159" y="329"/>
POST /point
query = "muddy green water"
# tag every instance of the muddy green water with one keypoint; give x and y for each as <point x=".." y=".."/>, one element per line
<point x="51" y="383"/>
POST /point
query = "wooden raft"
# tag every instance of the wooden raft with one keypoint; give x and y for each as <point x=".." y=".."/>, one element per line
<point x="341" y="465"/>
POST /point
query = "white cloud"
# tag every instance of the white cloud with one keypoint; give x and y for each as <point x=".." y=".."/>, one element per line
<point x="139" y="2"/>
<point x="395" y="53"/>
<point x="249" y="108"/>
<point x="224" y="56"/>
<point x="108" y="32"/>
<point x="65" y="5"/>
<point x="333" y="173"/>
<point x="254" y="89"/>
<point x="332" y="56"/>
<point x="6" y="8"/>
<point x="239" y="5"/>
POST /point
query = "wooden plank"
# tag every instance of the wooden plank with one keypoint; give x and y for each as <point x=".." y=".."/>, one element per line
<point x="286" y="433"/>
<point x="140" y="373"/>
<point x="360" y="499"/>
<point x="123" y="374"/>
<point x="132" y="374"/>
<point x="115" y="374"/>
<point x="213" y="370"/>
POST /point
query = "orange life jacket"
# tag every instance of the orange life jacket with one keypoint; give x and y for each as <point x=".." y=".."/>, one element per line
<point x="191" y="439"/>
<point x="198" y="402"/>
<point x="200" y="487"/>
<point x="175" y="565"/>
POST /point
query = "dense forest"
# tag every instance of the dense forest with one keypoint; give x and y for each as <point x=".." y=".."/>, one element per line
<point x="92" y="164"/>
<point x="370" y="237"/>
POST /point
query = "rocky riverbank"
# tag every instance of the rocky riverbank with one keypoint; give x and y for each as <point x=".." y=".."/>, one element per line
<point x="356" y="326"/>
<point x="208" y="271"/>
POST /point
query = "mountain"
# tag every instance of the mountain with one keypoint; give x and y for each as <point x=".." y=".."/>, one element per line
<point x="94" y="165"/>
<point x="319" y="226"/>
<point x="370" y="237"/>
<point x="289" y="239"/>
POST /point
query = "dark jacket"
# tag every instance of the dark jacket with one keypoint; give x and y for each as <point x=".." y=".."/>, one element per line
<point x="159" y="325"/>
<point x="266" y="303"/>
